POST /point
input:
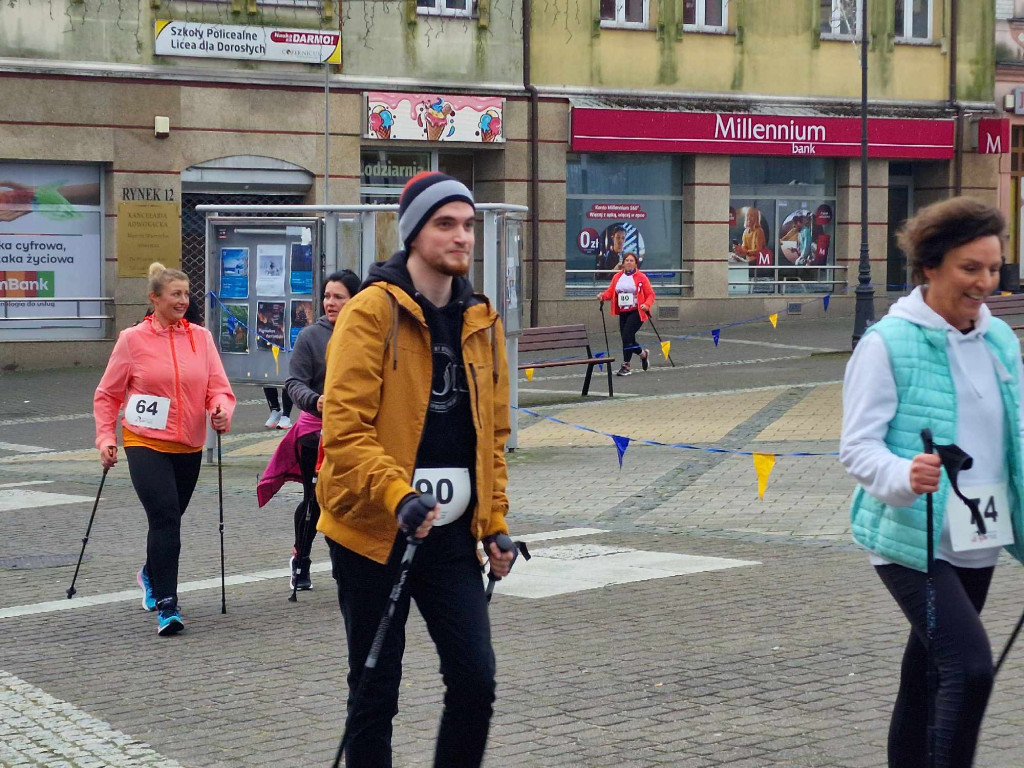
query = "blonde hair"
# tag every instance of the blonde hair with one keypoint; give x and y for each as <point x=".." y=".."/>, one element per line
<point x="159" y="276"/>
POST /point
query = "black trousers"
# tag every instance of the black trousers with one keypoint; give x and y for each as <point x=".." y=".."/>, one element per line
<point x="305" y="530"/>
<point x="275" y="405"/>
<point x="164" y="483"/>
<point x="961" y="654"/>
<point x="629" y="324"/>
<point x="446" y="583"/>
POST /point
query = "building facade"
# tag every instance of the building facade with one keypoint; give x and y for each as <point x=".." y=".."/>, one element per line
<point x="719" y="141"/>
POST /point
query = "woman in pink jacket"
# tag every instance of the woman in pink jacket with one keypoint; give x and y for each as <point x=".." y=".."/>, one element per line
<point x="632" y="296"/>
<point x="168" y="376"/>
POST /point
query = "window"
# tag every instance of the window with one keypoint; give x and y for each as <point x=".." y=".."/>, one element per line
<point x="913" y="19"/>
<point x="840" y="18"/>
<point x="445" y="7"/>
<point x="625" y="14"/>
<point x="704" y="14"/>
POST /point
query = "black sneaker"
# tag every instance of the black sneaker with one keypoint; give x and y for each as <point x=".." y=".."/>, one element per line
<point x="643" y="359"/>
<point x="168" y="617"/>
<point x="299" y="567"/>
<point x="624" y="370"/>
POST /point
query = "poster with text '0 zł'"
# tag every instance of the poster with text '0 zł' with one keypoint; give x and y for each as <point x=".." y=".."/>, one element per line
<point x="234" y="274"/>
<point x="270" y="270"/>
<point x="50" y="221"/>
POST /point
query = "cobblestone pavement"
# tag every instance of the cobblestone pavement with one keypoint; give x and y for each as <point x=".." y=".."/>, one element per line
<point x="786" y="659"/>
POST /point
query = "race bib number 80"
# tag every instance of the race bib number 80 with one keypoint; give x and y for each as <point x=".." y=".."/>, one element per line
<point x="449" y="485"/>
<point x="147" y="411"/>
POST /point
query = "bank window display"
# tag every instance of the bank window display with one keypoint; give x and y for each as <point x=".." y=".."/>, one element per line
<point x="704" y="14"/>
<point x="913" y="19"/>
<point x="51" y="248"/>
<point x="625" y="14"/>
<point x="782" y="226"/>
<point x="620" y="204"/>
<point x="840" y="18"/>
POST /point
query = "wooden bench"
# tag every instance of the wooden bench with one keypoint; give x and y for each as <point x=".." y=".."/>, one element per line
<point x="557" y="337"/>
<point x="1007" y="306"/>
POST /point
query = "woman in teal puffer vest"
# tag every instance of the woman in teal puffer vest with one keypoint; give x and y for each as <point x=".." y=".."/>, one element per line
<point x="939" y="360"/>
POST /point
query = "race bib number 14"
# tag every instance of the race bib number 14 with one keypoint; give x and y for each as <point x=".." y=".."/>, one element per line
<point x="995" y="529"/>
<point x="147" y="411"/>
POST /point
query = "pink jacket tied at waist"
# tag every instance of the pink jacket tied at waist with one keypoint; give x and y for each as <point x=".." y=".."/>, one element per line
<point x="180" y="363"/>
<point x="284" y="464"/>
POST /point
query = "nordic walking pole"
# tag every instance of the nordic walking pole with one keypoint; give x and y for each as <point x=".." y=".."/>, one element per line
<point x="930" y="675"/>
<point x="411" y="543"/>
<point x="604" y="324"/>
<point x="71" y="590"/>
<point x="505" y="544"/>
<point x="220" y="506"/>
<point x="1009" y="645"/>
<point x="650" y="320"/>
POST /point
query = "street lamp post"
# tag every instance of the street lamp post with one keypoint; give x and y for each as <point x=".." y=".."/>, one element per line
<point x="865" y="293"/>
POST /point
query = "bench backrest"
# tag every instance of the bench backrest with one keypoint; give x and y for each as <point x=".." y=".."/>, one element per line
<point x="1003" y="306"/>
<point x="554" y="337"/>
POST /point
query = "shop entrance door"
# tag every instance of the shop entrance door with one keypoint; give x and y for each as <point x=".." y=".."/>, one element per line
<point x="900" y="203"/>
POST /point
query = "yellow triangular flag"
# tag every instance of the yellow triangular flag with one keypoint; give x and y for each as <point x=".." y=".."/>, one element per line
<point x="774" y="319"/>
<point x="276" y="350"/>
<point x="665" y="347"/>
<point x="529" y="374"/>
<point x="764" y="463"/>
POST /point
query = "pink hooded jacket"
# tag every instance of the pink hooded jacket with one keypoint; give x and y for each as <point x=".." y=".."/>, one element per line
<point x="180" y="363"/>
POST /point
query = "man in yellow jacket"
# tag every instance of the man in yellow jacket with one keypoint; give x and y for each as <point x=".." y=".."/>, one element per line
<point x="416" y="401"/>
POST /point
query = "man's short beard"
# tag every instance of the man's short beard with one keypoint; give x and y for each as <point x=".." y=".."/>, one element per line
<point x="451" y="271"/>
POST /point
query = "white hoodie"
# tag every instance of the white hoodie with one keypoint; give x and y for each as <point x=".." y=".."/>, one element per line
<point x="869" y="404"/>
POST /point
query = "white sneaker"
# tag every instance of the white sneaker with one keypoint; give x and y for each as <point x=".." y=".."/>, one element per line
<point x="275" y="417"/>
<point x="284" y="423"/>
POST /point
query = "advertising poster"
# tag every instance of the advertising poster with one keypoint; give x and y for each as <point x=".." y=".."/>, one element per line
<point x="247" y="43"/>
<point x="432" y="117"/>
<point x="302" y="268"/>
<point x="234" y="333"/>
<point x="749" y="233"/>
<point x="269" y="324"/>
<point x="610" y="243"/>
<point x="302" y="315"/>
<point x="234" y="273"/>
<point x="270" y="270"/>
<point x="50" y="223"/>
<point x="805" y="234"/>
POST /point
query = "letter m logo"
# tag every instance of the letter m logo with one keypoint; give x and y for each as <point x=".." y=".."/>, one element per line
<point x="993" y="137"/>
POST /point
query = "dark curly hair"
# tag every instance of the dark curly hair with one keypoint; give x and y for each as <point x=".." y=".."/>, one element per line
<point x="938" y="229"/>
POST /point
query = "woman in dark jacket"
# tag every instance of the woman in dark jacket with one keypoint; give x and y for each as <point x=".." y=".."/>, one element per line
<point x="305" y="386"/>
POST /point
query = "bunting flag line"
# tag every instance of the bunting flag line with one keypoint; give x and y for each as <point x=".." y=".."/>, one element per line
<point x="621" y="444"/>
<point x="529" y="374"/>
<point x="715" y="334"/>
<point x="666" y="347"/>
<point x="600" y="368"/>
<point x="774" y="320"/>
<point x="764" y="463"/>
<point x="825" y="302"/>
<point x="277" y="351"/>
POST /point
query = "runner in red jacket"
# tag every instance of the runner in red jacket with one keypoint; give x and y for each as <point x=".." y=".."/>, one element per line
<point x="631" y="296"/>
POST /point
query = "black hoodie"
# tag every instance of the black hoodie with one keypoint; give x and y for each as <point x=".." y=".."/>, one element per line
<point x="449" y="435"/>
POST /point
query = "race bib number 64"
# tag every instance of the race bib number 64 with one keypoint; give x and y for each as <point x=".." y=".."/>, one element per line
<point x="147" y="411"/>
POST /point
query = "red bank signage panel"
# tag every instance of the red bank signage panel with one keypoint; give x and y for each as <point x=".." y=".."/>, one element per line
<point x="711" y="133"/>
<point x="993" y="136"/>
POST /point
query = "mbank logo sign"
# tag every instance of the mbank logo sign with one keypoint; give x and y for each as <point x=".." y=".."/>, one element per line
<point x="27" y="285"/>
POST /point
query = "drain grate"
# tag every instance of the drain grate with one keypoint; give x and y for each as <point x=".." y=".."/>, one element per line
<point x="29" y="562"/>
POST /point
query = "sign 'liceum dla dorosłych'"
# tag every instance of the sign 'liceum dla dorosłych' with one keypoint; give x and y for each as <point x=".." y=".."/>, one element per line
<point x="251" y="43"/>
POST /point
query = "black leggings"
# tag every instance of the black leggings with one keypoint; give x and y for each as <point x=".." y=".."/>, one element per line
<point x="305" y="532"/>
<point x="275" y="404"/>
<point x="164" y="483"/>
<point x="962" y="656"/>
<point x="629" y="324"/>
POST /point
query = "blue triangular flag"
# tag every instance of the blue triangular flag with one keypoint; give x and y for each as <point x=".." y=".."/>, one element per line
<point x="621" y="444"/>
<point x="232" y="323"/>
<point x="715" y="334"/>
<point x="600" y="368"/>
<point x="825" y="302"/>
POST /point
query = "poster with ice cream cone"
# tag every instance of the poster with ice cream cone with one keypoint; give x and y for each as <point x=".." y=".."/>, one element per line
<point x="434" y="117"/>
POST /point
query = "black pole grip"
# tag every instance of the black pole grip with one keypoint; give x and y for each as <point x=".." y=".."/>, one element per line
<point x="504" y="542"/>
<point x="928" y="440"/>
<point x="428" y="500"/>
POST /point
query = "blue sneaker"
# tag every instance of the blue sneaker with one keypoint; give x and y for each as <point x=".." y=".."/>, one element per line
<point x="148" y="600"/>
<point x="169" y="618"/>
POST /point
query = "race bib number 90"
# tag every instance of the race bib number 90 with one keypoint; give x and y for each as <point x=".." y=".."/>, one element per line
<point x="995" y="528"/>
<point x="449" y="485"/>
<point x="147" y="411"/>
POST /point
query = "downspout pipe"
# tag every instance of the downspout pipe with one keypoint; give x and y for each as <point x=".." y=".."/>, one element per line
<point x="954" y="103"/>
<point x="533" y="193"/>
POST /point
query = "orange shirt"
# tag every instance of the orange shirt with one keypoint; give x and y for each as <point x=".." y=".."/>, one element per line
<point x="164" y="446"/>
